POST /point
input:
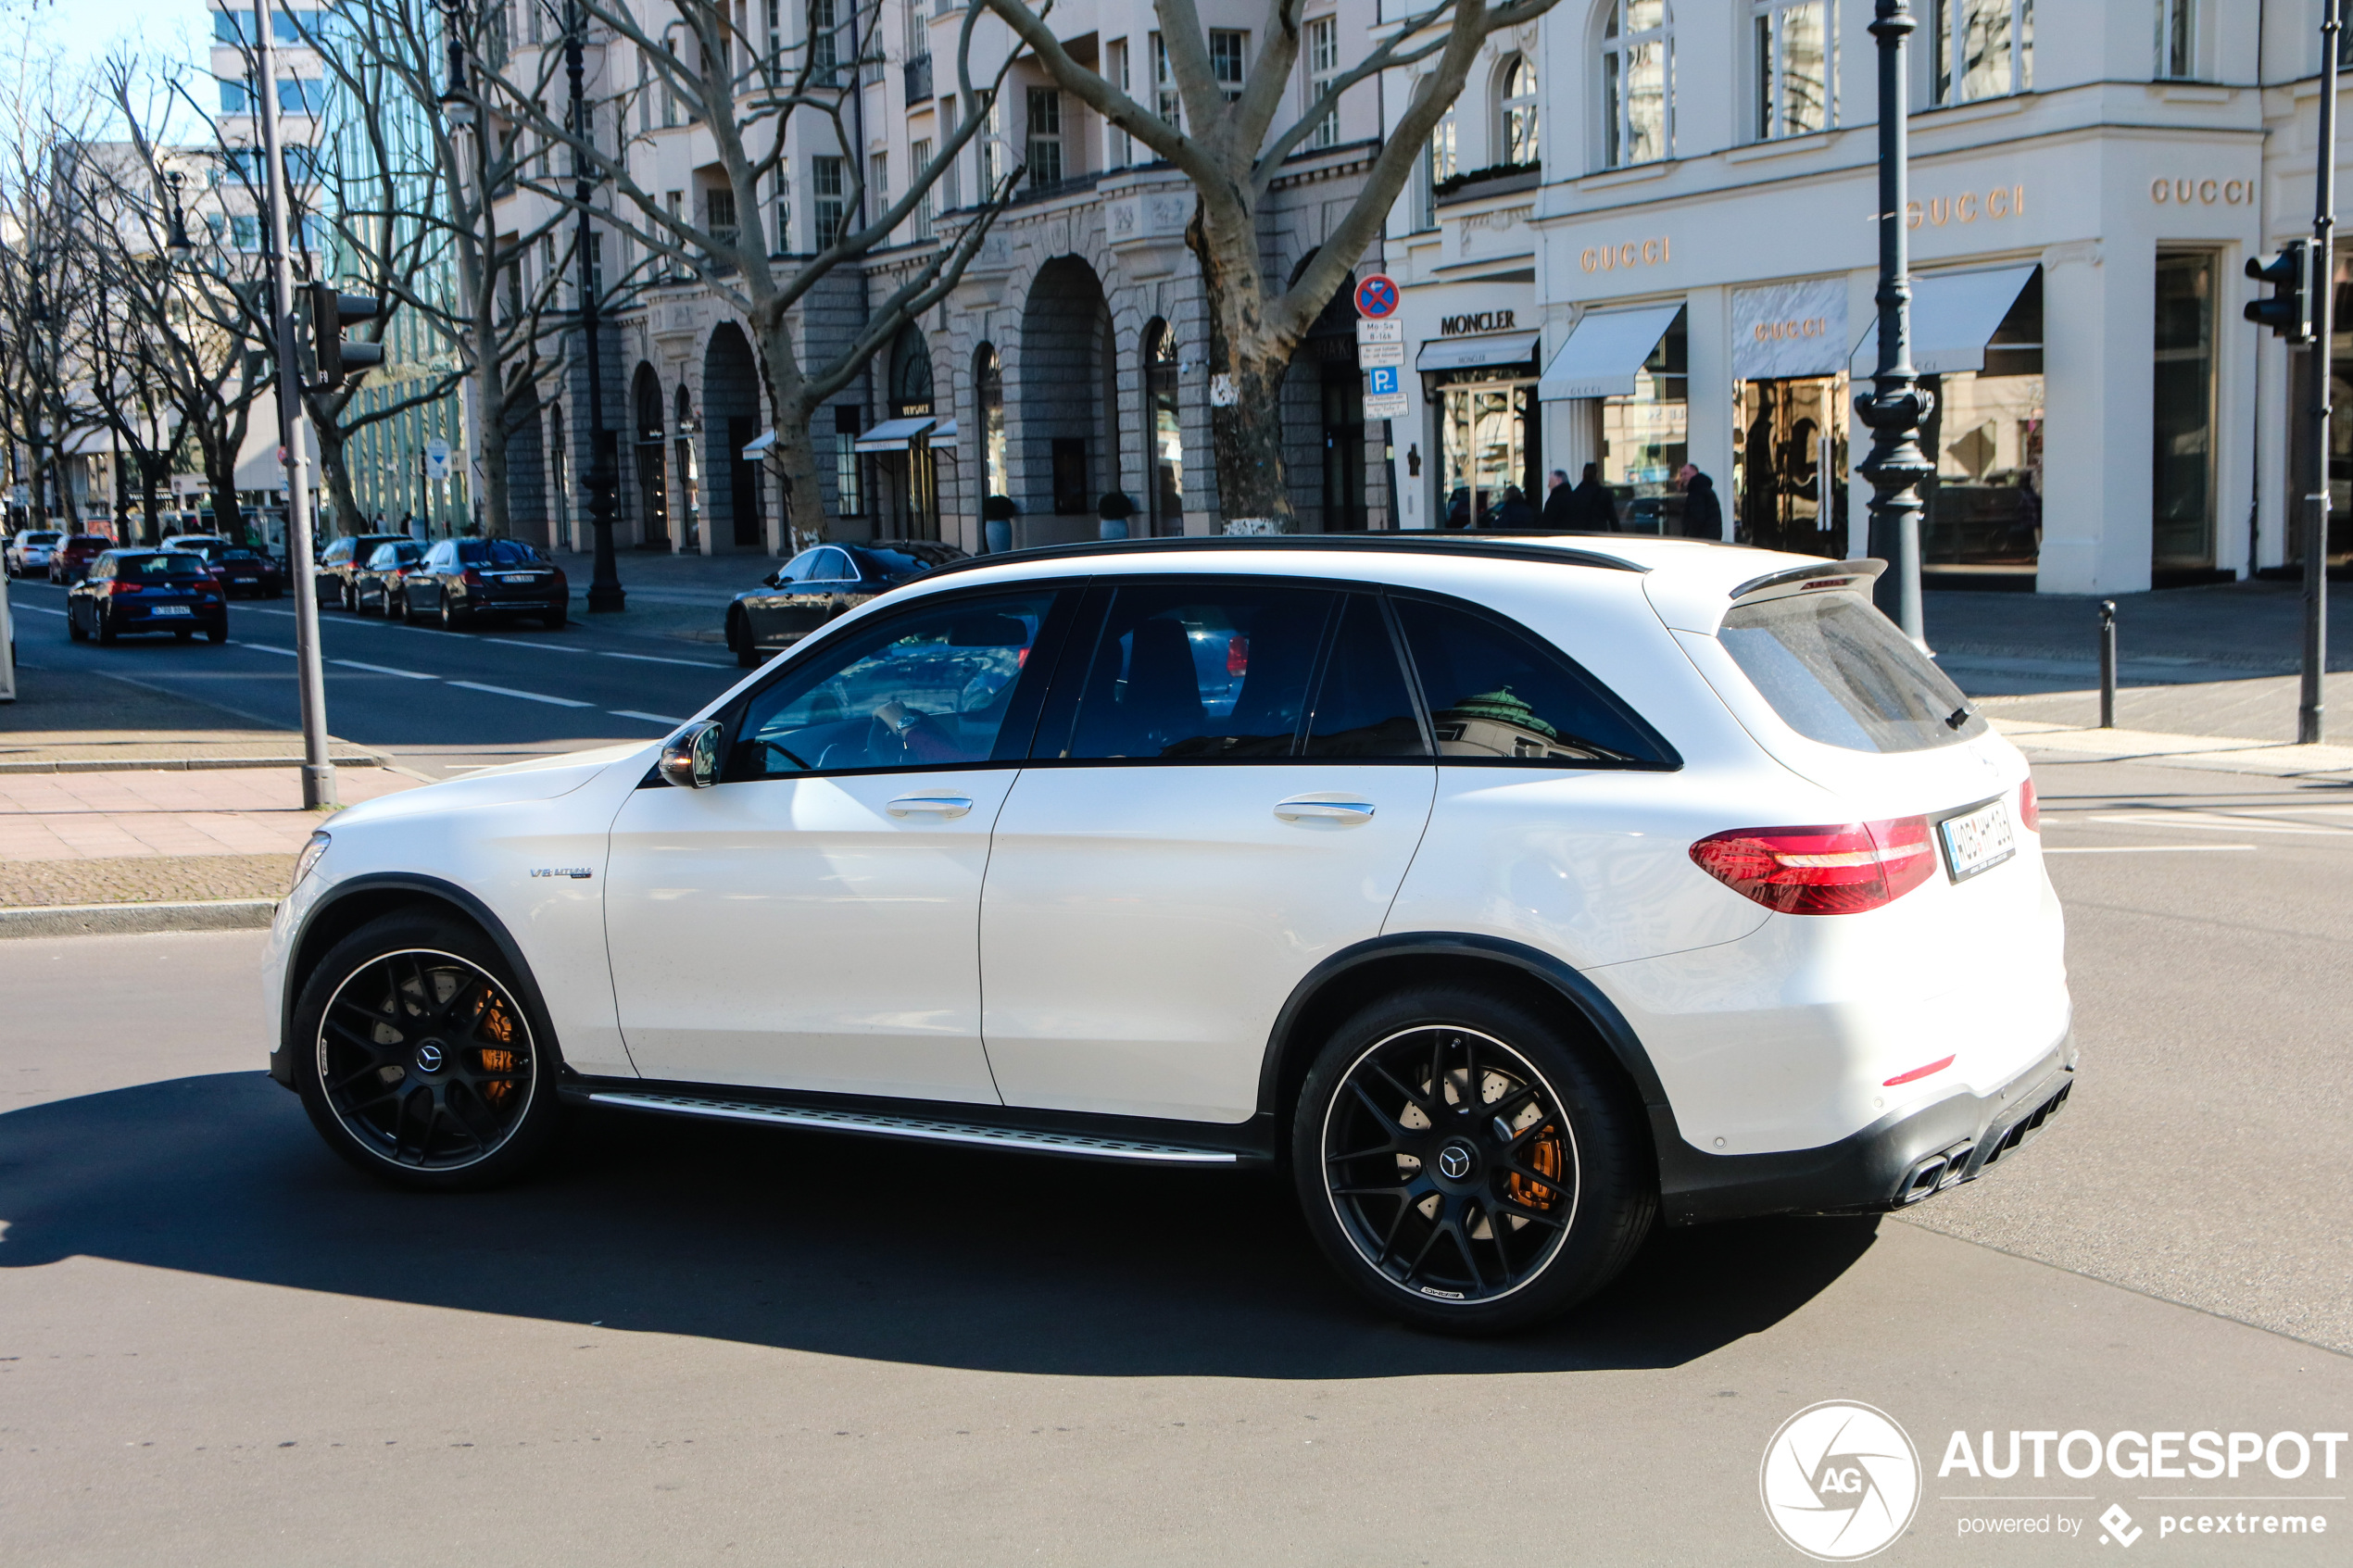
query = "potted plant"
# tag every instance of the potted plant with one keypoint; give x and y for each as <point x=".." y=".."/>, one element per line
<point x="996" y="514"/>
<point x="1114" y="510"/>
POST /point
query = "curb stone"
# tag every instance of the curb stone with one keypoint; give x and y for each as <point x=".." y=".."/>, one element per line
<point x="175" y="764"/>
<point x="121" y="920"/>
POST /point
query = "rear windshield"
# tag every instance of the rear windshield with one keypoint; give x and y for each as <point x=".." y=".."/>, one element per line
<point x="153" y="567"/>
<point x="1838" y="671"/>
<point x="901" y="559"/>
<point x="498" y="552"/>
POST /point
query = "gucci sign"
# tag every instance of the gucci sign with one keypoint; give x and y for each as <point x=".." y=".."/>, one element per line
<point x="1783" y="332"/>
<point x="2202" y="193"/>
<point x="1634" y="253"/>
<point x="2002" y="201"/>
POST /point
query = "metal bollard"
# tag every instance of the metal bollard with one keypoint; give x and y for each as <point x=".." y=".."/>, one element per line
<point x="2107" y="664"/>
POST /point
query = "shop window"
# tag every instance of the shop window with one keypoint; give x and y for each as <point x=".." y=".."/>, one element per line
<point x="1516" y="106"/>
<point x="1646" y="438"/>
<point x="1323" y="64"/>
<point x="989" y="391"/>
<point x="1491" y="445"/>
<point x="1789" y="480"/>
<point x="1164" y="432"/>
<point x="1638" y="82"/>
<point x="1980" y="49"/>
<point x="2340" y="447"/>
<point x="1984" y="524"/>
<point x="2181" y="538"/>
<point x="1793" y="81"/>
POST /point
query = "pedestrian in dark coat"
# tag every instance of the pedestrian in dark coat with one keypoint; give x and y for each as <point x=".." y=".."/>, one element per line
<point x="1514" y="516"/>
<point x="1702" y="513"/>
<point x="1592" y="508"/>
<point x="1556" y="503"/>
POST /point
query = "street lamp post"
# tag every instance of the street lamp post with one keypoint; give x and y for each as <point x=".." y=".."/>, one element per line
<point x="2312" y="710"/>
<point x="605" y="593"/>
<point x="1897" y="403"/>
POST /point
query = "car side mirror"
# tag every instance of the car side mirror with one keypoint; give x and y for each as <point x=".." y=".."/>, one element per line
<point x="691" y="757"/>
<point x="774" y="579"/>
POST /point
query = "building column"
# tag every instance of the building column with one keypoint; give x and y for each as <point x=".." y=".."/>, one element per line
<point x="2099" y="300"/>
<point x="1708" y="329"/>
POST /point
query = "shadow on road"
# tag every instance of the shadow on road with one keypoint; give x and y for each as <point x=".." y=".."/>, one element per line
<point x="840" y="1246"/>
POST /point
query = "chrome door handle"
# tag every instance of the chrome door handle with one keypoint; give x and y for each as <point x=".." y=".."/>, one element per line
<point x="1324" y="810"/>
<point x="939" y="805"/>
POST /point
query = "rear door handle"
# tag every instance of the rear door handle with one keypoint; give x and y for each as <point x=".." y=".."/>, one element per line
<point x="1324" y="810"/>
<point x="937" y="805"/>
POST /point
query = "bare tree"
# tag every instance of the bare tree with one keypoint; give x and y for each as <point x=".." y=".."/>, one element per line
<point x="1231" y="152"/>
<point x="748" y="102"/>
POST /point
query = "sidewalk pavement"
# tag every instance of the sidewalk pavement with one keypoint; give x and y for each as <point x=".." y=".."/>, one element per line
<point x="49" y="730"/>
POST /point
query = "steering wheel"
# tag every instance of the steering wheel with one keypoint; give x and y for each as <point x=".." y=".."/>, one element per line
<point x="903" y="734"/>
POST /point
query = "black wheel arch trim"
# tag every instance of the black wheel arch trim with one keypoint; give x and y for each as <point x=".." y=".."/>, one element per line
<point x="425" y="887"/>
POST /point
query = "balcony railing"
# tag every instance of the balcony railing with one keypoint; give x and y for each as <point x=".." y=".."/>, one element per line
<point x="917" y="76"/>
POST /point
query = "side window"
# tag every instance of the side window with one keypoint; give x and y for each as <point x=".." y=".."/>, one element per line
<point x="338" y="552"/>
<point x="438" y="558"/>
<point x="798" y="568"/>
<point x="1191" y="673"/>
<point x="830" y="566"/>
<point x="1363" y="707"/>
<point x="1498" y="693"/>
<point x="927" y="688"/>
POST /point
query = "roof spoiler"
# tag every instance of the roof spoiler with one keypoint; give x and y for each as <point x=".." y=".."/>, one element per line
<point x="1819" y="578"/>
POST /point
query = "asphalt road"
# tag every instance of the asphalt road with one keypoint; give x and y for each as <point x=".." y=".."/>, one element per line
<point x="439" y="702"/>
<point x="682" y="1344"/>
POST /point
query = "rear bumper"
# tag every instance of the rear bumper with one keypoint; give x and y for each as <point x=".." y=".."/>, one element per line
<point x="1894" y="1162"/>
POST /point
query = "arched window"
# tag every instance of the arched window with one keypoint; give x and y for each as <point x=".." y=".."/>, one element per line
<point x="988" y="391"/>
<point x="1516" y="100"/>
<point x="1164" y="432"/>
<point x="1638" y="82"/>
<point x="910" y="373"/>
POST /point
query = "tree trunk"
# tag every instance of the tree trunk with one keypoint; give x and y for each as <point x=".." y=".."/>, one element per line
<point x="804" y="519"/>
<point x="490" y="422"/>
<point x="1247" y="364"/>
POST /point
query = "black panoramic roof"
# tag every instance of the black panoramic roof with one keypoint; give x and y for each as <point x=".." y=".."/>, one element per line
<point x="1521" y="546"/>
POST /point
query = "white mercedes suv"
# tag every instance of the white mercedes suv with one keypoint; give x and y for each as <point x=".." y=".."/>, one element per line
<point x="1510" y="893"/>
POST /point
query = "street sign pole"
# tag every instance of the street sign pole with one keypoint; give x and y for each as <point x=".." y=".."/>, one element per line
<point x="2311" y="711"/>
<point x="318" y="772"/>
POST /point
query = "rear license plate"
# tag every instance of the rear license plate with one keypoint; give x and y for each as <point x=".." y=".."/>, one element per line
<point x="517" y="577"/>
<point x="170" y="610"/>
<point x="1977" y="841"/>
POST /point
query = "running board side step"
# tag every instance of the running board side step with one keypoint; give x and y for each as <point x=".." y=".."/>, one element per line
<point x="878" y="1124"/>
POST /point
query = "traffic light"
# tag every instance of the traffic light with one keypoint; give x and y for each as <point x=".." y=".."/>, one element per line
<point x="330" y="313"/>
<point x="2284" y="312"/>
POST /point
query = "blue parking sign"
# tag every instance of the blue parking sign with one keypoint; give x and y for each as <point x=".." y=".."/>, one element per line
<point x="1382" y="381"/>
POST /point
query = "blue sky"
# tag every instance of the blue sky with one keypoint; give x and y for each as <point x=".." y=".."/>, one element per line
<point x="88" y="29"/>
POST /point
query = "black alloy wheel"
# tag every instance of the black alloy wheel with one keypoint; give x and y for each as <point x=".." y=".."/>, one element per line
<point x="452" y="618"/>
<point x="1466" y="1165"/>
<point x="418" y="1061"/>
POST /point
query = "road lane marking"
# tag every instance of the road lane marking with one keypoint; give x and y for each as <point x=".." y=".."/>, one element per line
<point x="2147" y="849"/>
<point x="543" y="647"/>
<point x="383" y="669"/>
<point x="527" y="697"/>
<point x="2214" y="822"/>
<point x="266" y="648"/>
<point x="41" y="609"/>
<point x="648" y="718"/>
<point x="656" y="658"/>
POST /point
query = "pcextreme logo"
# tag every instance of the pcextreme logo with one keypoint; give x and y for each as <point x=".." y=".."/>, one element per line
<point x="1839" y="1481"/>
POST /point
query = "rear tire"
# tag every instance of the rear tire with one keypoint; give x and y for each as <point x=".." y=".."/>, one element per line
<point x="217" y="633"/>
<point x="106" y="627"/>
<point x="1469" y="1166"/>
<point x="745" y="646"/>
<point x="555" y="619"/>
<point x="451" y="619"/>
<point x="418" y="1060"/>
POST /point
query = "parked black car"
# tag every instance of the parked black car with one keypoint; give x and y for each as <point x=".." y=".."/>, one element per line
<point x="461" y="579"/>
<point x="378" y="584"/>
<point x="237" y="568"/>
<point x="339" y="561"/>
<point x="132" y="591"/>
<point x="818" y="584"/>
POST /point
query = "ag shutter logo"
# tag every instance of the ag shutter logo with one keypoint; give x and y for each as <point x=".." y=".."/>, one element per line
<point x="1839" y="1481"/>
<point x="2119" y="1524"/>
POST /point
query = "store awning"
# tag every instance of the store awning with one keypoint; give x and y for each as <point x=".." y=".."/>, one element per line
<point x="943" y="436"/>
<point x="758" y="446"/>
<point x="1954" y="314"/>
<point x="1605" y="352"/>
<point x="1472" y="353"/>
<point x="892" y="436"/>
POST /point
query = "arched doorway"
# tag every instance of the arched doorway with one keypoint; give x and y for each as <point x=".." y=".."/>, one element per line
<point x="689" y="476"/>
<point x="1163" y="432"/>
<point x="653" y="471"/>
<point x="1066" y="420"/>
<point x="910" y="473"/>
<point x="731" y="418"/>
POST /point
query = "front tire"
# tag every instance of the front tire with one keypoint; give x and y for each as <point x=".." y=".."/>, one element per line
<point x="105" y="624"/>
<point x="418" y="1061"/>
<point x="1468" y="1166"/>
<point x="73" y="627"/>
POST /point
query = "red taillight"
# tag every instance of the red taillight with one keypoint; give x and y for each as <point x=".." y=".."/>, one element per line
<point x="1822" y="870"/>
<point x="472" y="578"/>
<point x="2029" y="810"/>
<point x="116" y="590"/>
<point x="1238" y="655"/>
<point x="1917" y="1073"/>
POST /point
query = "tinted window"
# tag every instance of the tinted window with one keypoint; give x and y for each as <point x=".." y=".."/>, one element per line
<point x="828" y="566"/>
<point x="927" y="689"/>
<point x="499" y="552"/>
<point x="1196" y="674"/>
<point x="898" y="562"/>
<point x="440" y="556"/>
<point x="155" y="566"/>
<point x="1363" y="707"/>
<point x="1495" y="694"/>
<point x="339" y="551"/>
<point x="1839" y="671"/>
<point x="389" y="556"/>
<point x="800" y="568"/>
